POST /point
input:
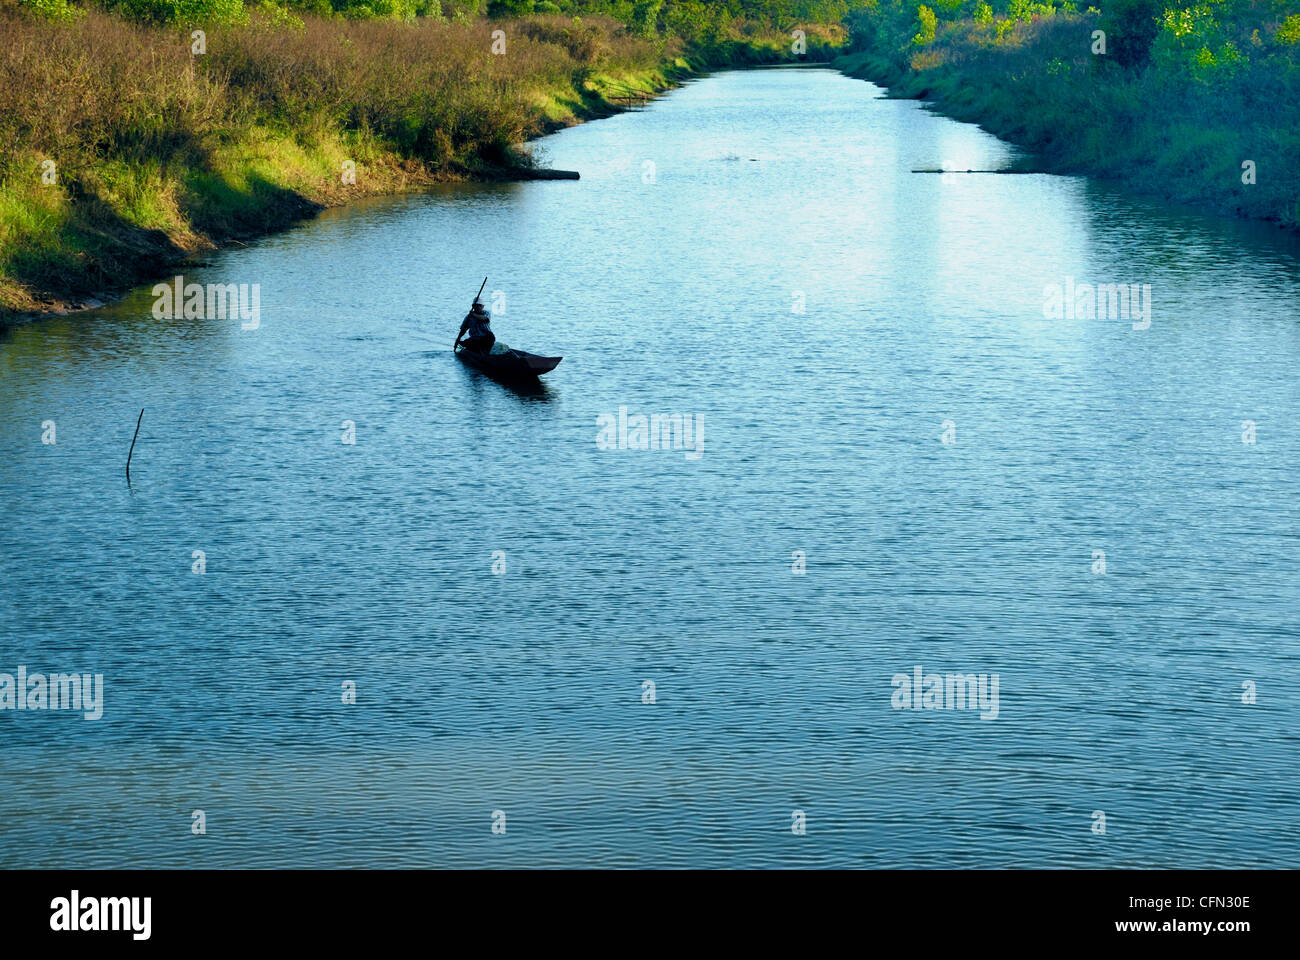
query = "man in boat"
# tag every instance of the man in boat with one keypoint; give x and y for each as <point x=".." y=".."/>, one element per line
<point x="480" y="336"/>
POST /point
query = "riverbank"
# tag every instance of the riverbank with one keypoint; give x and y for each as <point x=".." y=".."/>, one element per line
<point x="1200" y="111"/>
<point x="131" y="149"/>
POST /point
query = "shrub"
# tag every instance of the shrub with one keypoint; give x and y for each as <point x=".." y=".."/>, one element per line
<point x="185" y="12"/>
<point x="58" y="10"/>
<point x="510" y="8"/>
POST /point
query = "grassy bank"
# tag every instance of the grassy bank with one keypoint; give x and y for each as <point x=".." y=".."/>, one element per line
<point x="1199" y="105"/>
<point x="128" y="147"/>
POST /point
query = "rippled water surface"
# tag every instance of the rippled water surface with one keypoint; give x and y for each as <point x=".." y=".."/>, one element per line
<point x="668" y="277"/>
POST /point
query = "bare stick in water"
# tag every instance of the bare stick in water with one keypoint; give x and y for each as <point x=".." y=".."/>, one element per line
<point x="132" y="450"/>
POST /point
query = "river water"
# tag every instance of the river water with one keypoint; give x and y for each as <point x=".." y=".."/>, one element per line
<point x="670" y="277"/>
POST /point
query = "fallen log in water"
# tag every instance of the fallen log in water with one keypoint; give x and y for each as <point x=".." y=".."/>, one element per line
<point x="529" y="173"/>
<point x="548" y="174"/>
<point x="936" y="170"/>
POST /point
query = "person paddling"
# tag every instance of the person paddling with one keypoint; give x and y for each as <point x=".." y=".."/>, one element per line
<point x="480" y="336"/>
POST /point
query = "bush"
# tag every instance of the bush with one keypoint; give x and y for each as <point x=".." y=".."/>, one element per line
<point x="378" y="9"/>
<point x="184" y="12"/>
<point x="58" y="10"/>
<point x="510" y="8"/>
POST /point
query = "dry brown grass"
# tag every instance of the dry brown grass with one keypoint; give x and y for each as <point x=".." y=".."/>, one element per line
<point x="106" y="88"/>
<point x="159" y="151"/>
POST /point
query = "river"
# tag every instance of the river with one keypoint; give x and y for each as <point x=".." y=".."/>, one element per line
<point x="921" y="469"/>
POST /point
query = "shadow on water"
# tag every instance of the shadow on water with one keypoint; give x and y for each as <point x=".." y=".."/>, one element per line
<point x="533" y="391"/>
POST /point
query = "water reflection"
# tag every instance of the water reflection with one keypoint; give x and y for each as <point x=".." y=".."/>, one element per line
<point x="536" y="391"/>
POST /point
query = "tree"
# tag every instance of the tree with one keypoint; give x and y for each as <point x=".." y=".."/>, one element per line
<point x="1131" y="27"/>
<point x="510" y="8"/>
<point x="645" y="17"/>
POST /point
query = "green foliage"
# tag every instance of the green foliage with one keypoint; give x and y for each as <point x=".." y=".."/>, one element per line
<point x="714" y="22"/>
<point x="1193" y="42"/>
<point x="57" y="10"/>
<point x="272" y="12"/>
<point x="645" y="17"/>
<point x="1289" y="30"/>
<point x="926" y="22"/>
<point x="378" y="9"/>
<point x="1131" y="27"/>
<point x="461" y="11"/>
<point x="510" y="8"/>
<point x="1026" y="10"/>
<point x="369" y="9"/>
<point x="866" y="24"/>
<point x="184" y="12"/>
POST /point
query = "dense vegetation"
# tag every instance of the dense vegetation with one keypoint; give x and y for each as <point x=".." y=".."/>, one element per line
<point x="125" y="140"/>
<point x="1173" y="100"/>
<point x="123" y="144"/>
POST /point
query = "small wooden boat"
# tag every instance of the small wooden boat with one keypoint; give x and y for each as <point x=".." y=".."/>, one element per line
<point x="508" y="364"/>
<point x="502" y="362"/>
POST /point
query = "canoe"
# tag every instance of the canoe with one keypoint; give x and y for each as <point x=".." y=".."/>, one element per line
<point x="510" y="365"/>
